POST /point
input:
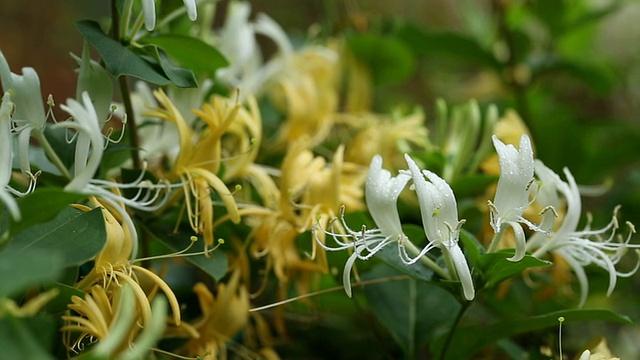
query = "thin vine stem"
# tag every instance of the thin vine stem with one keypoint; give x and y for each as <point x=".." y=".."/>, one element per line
<point x="454" y="327"/>
<point x="126" y="93"/>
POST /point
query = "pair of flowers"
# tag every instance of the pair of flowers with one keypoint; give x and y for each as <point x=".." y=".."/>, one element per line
<point x="439" y="212"/>
<point x="517" y="189"/>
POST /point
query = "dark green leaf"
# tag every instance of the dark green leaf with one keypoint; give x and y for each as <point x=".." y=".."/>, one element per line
<point x="448" y="44"/>
<point x="43" y="205"/>
<point x="192" y="53"/>
<point x="20" y="270"/>
<point x="594" y="76"/>
<point x="495" y="267"/>
<point x="476" y="337"/>
<point x="388" y="59"/>
<point x="180" y="77"/>
<point x="389" y="255"/>
<point x="472" y="184"/>
<point x="119" y="60"/>
<point x="413" y="311"/>
<point x="75" y="234"/>
<point x="59" y="303"/>
<point x="472" y="247"/>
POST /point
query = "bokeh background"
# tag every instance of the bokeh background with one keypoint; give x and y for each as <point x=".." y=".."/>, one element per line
<point x="571" y="69"/>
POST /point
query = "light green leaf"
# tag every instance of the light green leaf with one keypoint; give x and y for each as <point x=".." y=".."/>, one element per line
<point x="95" y="80"/>
<point x="413" y="311"/>
<point x="76" y="234"/>
<point x="476" y="337"/>
<point x="192" y="53"/>
<point x="119" y="60"/>
<point x="20" y="270"/>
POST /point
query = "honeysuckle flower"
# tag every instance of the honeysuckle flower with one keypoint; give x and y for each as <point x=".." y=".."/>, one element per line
<point x="90" y="145"/>
<point x="381" y="193"/>
<point x="29" y="114"/>
<point x="306" y="91"/>
<point x="513" y="194"/>
<point x="199" y="161"/>
<point x="440" y="221"/>
<point x="311" y="190"/>
<point x="6" y="153"/>
<point x="149" y="11"/>
<point x="386" y="135"/>
<point x="112" y="270"/>
<point x="579" y="248"/>
<point x="237" y="41"/>
<point x="222" y="317"/>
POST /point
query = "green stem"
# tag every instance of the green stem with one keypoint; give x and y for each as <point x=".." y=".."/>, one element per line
<point x="413" y="250"/>
<point x="126" y="93"/>
<point x="493" y="246"/>
<point x="131" y="122"/>
<point x="454" y="327"/>
<point x="51" y="153"/>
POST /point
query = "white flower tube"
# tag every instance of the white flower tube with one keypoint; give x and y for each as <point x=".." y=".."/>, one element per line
<point x="440" y="221"/>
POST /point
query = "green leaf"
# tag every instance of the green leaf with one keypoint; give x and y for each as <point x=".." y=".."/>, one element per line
<point x="119" y="60"/>
<point x="95" y="80"/>
<point x="20" y="270"/>
<point x="78" y="235"/>
<point x="27" y="338"/>
<point x="477" y="337"/>
<point x="389" y="254"/>
<point x="59" y="304"/>
<point x="495" y="267"/>
<point x="448" y="44"/>
<point x="473" y="249"/>
<point x="180" y="77"/>
<point x="215" y="265"/>
<point x="192" y="53"/>
<point x="43" y="205"/>
<point x="388" y="59"/>
<point x="414" y="312"/>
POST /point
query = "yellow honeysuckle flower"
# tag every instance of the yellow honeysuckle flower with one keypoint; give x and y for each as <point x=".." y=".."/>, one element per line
<point x="199" y="161"/>
<point x="223" y="316"/>
<point x="307" y="92"/>
<point x="386" y="135"/>
<point x="112" y="270"/>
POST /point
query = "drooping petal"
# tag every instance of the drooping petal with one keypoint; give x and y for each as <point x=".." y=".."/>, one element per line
<point x="149" y="11"/>
<point x="464" y="274"/>
<point x="192" y="11"/>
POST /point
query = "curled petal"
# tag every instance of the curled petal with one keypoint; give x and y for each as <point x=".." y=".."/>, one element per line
<point x="464" y="274"/>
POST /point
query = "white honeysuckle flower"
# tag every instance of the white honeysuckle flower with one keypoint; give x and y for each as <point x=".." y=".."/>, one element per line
<point x="90" y="145"/>
<point x="382" y="192"/>
<point x="440" y="221"/>
<point x="237" y="41"/>
<point x="580" y="248"/>
<point x="513" y="193"/>
<point x="6" y="155"/>
<point x="149" y="11"/>
<point x="29" y="113"/>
